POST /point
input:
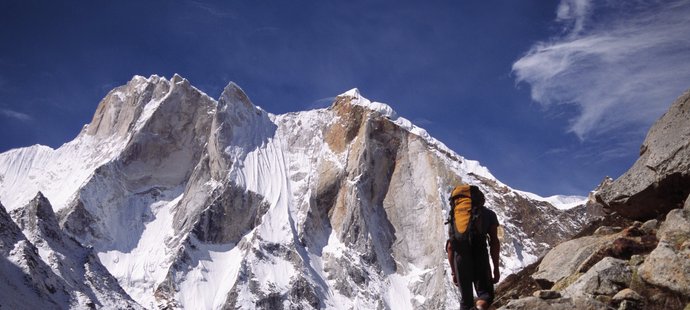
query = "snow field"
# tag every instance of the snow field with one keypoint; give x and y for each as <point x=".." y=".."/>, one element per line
<point x="211" y="276"/>
<point x="58" y="174"/>
<point x="142" y="268"/>
<point x="559" y="201"/>
<point x="398" y="295"/>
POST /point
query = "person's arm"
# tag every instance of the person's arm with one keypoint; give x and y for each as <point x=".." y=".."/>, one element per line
<point x="451" y="256"/>
<point x="495" y="250"/>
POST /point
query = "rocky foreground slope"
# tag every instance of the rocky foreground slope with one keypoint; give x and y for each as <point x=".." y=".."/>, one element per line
<point x="172" y="199"/>
<point x="640" y="257"/>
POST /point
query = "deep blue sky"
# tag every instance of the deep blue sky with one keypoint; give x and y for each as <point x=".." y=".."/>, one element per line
<point x="513" y="84"/>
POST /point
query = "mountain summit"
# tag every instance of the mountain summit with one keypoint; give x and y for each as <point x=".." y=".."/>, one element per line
<point x="191" y="202"/>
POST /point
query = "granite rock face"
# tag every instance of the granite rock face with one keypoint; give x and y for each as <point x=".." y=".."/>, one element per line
<point x="607" y="277"/>
<point x="633" y="268"/>
<point x="660" y="179"/>
<point x="668" y="265"/>
<point x="567" y="258"/>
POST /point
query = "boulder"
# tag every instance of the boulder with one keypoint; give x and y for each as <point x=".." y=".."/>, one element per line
<point x="607" y="277"/>
<point x="650" y="226"/>
<point x="668" y="265"/>
<point x="531" y="303"/>
<point x="629" y="305"/>
<point x="538" y="303"/>
<point x="607" y="230"/>
<point x="547" y="294"/>
<point x="677" y="223"/>
<point x="566" y="258"/>
<point x="627" y="294"/>
<point x="636" y="260"/>
<point x="660" y="179"/>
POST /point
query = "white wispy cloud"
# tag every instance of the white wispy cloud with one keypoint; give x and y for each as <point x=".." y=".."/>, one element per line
<point x="621" y="63"/>
<point x="209" y="9"/>
<point x="16" y="115"/>
<point x="573" y="13"/>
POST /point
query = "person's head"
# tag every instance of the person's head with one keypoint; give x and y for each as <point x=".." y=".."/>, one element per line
<point x="468" y="191"/>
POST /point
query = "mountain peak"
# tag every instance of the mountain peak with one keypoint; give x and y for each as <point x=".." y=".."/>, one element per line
<point x="354" y="93"/>
<point x="233" y="94"/>
<point x="196" y="203"/>
<point x="38" y="216"/>
<point x="385" y="110"/>
<point x="153" y="78"/>
<point x="177" y="78"/>
<point x="360" y="100"/>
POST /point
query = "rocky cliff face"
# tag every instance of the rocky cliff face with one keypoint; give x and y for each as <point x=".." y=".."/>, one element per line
<point x="641" y="266"/>
<point x="660" y="179"/>
<point x="189" y="202"/>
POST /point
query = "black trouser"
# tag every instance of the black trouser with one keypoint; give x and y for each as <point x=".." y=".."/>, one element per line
<point x="473" y="270"/>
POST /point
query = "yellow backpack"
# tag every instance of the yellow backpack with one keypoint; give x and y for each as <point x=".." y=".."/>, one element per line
<point x="466" y="202"/>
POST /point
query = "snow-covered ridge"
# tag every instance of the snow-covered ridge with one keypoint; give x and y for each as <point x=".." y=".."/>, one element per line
<point x="561" y="202"/>
<point x="176" y="79"/>
<point x="566" y="202"/>
<point x="471" y="166"/>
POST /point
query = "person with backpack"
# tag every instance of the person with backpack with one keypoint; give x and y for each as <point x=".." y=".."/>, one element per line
<point x="471" y="225"/>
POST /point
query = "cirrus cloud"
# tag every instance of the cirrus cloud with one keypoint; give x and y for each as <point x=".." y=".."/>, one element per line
<point x="15" y="115"/>
<point x="621" y="63"/>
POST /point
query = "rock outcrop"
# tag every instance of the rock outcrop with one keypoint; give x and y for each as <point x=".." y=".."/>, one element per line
<point x="668" y="266"/>
<point x="533" y="302"/>
<point x="567" y="258"/>
<point x="27" y="281"/>
<point x="47" y="269"/>
<point x="660" y="179"/>
<point x="630" y="269"/>
<point x="642" y="266"/>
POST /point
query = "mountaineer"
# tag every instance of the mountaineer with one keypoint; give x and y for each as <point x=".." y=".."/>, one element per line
<point x="471" y="226"/>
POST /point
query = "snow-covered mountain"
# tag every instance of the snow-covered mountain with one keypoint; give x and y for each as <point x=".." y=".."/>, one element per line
<point x="195" y="203"/>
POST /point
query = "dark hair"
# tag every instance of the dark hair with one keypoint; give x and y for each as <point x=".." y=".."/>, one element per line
<point x="477" y="196"/>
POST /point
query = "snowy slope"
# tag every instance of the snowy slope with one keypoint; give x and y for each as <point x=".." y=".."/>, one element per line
<point x="56" y="173"/>
<point x="561" y="202"/>
<point x="195" y="203"/>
